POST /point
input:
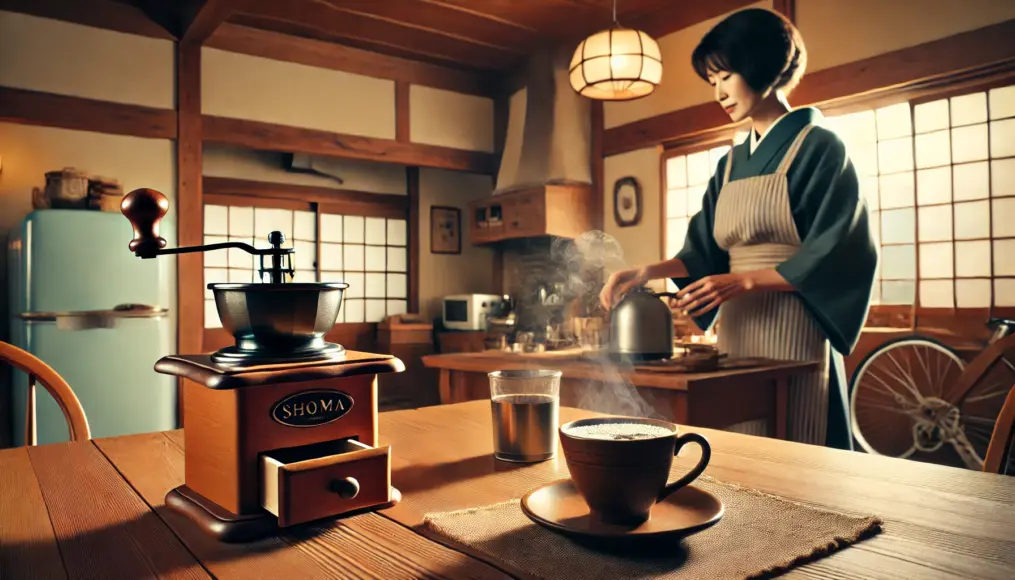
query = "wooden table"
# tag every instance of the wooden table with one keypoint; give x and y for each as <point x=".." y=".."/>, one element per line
<point x="714" y="399"/>
<point x="95" y="509"/>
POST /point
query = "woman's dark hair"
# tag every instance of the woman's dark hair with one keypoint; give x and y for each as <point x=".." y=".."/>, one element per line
<point x="760" y="45"/>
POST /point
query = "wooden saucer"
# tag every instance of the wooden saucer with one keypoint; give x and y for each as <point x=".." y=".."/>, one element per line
<point x="560" y="507"/>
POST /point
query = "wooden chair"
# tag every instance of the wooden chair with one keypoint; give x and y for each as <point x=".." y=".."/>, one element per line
<point x="1002" y="439"/>
<point x="40" y="372"/>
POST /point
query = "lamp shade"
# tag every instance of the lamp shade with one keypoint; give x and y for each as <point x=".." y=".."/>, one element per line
<point x="618" y="64"/>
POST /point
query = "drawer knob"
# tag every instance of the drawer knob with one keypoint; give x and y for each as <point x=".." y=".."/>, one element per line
<point x="347" y="488"/>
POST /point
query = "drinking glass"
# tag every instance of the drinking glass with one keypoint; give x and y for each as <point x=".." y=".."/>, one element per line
<point x="525" y="406"/>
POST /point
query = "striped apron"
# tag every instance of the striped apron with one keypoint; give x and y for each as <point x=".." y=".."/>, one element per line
<point x="754" y="225"/>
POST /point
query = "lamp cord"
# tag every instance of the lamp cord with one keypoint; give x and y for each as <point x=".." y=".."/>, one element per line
<point x="615" y="13"/>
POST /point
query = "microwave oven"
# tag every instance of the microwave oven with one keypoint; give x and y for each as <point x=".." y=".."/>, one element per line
<point x="468" y="311"/>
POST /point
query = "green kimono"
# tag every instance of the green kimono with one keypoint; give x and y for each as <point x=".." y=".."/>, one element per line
<point x="832" y="272"/>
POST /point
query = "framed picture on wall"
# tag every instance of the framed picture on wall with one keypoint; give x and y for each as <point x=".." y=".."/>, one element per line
<point x="627" y="202"/>
<point x="445" y="230"/>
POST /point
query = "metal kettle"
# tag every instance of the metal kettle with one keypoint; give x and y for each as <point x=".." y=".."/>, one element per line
<point x="641" y="326"/>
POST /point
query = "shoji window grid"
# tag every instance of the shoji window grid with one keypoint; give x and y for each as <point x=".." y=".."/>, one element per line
<point x="938" y="176"/>
<point x="944" y="215"/>
<point x="685" y="179"/>
<point x="369" y="252"/>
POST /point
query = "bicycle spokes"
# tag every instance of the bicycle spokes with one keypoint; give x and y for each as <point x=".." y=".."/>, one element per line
<point x="898" y="409"/>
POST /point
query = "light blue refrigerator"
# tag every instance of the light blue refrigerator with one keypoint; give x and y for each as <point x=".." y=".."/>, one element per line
<point x="97" y="314"/>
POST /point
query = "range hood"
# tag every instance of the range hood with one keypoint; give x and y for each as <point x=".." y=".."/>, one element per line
<point x="544" y="186"/>
<point x="549" y="132"/>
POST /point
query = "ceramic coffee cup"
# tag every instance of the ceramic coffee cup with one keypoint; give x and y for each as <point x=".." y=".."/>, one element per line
<point x="620" y="465"/>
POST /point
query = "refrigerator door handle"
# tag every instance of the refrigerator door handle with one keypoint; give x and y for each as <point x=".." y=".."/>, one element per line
<point x="88" y="319"/>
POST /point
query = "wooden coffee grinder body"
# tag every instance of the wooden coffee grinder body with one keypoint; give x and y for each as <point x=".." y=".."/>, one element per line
<point x="294" y="446"/>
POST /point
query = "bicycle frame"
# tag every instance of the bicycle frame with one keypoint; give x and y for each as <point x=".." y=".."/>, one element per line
<point x="936" y="419"/>
<point x="1001" y="330"/>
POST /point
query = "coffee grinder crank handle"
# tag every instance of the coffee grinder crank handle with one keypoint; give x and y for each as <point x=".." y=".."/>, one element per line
<point x="145" y="208"/>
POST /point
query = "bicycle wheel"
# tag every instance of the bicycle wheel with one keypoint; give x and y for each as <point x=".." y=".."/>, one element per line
<point x="897" y="395"/>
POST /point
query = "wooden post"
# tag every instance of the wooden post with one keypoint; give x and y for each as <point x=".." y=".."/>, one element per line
<point x="412" y="188"/>
<point x="190" y="214"/>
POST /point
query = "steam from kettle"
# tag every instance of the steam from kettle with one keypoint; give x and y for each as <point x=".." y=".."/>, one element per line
<point x="592" y="250"/>
<point x="582" y="263"/>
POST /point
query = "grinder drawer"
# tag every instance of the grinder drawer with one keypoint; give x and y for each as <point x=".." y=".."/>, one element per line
<point x="301" y="484"/>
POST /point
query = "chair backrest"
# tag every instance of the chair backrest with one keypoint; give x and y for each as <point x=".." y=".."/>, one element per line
<point x="1001" y="440"/>
<point x="41" y="373"/>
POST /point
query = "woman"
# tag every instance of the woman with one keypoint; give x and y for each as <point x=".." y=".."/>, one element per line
<point x="781" y="248"/>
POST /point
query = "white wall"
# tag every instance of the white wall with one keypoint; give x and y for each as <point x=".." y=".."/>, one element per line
<point x="241" y="86"/>
<point x="641" y="242"/>
<point x="449" y="119"/>
<point x="71" y="59"/>
<point x="443" y="274"/>
<point x="876" y="26"/>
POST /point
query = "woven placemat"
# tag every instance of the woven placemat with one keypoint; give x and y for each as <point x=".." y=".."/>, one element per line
<point x="759" y="536"/>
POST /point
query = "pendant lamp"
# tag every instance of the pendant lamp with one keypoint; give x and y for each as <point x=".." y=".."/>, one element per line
<point x="617" y="64"/>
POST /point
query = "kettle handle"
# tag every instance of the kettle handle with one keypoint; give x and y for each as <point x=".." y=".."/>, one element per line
<point x="655" y="294"/>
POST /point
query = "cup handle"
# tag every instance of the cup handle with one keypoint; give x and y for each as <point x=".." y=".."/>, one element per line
<point x="706" y="454"/>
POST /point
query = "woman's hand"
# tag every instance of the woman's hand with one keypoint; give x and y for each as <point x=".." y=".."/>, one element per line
<point x="619" y="283"/>
<point x="709" y="292"/>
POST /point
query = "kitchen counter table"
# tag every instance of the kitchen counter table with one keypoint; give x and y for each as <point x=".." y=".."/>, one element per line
<point x="95" y="509"/>
<point x="714" y="399"/>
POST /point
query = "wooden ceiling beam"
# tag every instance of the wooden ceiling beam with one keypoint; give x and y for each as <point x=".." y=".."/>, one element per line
<point x="51" y="110"/>
<point x="439" y="18"/>
<point x="284" y="138"/>
<point x="307" y="193"/>
<point x="549" y="18"/>
<point x="165" y="15"/>
<point x="569" y="21"/>
<point x="105" y="14"/>
<point x="680" y="15"/>
<point x="199" y="22"/>
<point x="333" y="56"/>
<point x="376" y="46"/>
<point x="190" y="21"/>
<point x="358" y="27"/>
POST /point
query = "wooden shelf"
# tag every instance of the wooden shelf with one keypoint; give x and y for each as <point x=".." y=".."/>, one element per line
<point x="550" y="210"/>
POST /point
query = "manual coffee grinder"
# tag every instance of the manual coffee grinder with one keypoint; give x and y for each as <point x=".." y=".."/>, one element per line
<point x="281" y="428"/>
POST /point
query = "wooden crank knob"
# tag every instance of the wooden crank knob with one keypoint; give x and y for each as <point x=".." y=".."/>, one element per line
<point x="145" y="208"/>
